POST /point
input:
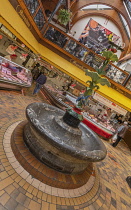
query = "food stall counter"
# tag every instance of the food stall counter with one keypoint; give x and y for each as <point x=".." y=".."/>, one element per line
<point x="13" y="76"/>
<point x="56" y="98"/>
<point x="97" y="128"/>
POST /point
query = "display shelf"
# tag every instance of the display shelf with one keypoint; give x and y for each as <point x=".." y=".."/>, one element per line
<point x="13" y="73"/>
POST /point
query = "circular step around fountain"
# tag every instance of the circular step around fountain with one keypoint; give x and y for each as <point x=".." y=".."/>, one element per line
<point x="45" y="174"/>
<point x="56" y="144"/>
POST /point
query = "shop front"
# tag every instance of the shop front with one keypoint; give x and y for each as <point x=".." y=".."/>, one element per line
<point x="15" y="62"/>
<point x="100" y="114"/>
<point x="13" y="76"/>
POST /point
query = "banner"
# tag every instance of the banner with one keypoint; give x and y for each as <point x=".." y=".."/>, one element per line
<point x="97" y="37"/>
<point x="109" y="104"/>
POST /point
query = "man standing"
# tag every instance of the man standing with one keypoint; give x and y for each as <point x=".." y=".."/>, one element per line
<point x="41" y="80"/>
<point x="120" y="133"/>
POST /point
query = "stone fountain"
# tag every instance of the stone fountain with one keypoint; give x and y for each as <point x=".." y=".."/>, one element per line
<point x="58" y="145"/>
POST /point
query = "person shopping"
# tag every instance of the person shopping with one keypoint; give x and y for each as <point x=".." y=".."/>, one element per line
<point x="120" y="133"/>
<point x="41" y="80"/>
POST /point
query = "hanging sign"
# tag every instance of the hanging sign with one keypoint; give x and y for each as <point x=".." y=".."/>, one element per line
<point x="109" y="104"/>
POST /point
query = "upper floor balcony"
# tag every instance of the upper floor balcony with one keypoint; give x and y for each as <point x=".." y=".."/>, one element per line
<point x="48" y="34"/>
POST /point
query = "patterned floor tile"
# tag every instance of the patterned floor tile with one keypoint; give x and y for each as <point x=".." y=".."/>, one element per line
<point x="17" y="194"/>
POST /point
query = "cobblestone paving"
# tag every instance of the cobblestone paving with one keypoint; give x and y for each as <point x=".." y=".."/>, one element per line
<point x="17" y="194"/>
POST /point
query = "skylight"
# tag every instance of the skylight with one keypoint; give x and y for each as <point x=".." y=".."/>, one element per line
<point x="97" y="7"/>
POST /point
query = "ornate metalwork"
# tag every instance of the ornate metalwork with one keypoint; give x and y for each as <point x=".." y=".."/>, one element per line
<point x="39" y="19"/>
<point x="115" y="74"/>
<point x="32" y="5"/>
<point x="56" y="37"/>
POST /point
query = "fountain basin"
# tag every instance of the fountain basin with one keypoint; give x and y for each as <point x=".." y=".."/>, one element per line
<point x="58" y="145"/>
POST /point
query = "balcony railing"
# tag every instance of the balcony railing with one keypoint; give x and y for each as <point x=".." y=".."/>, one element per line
<point x="70" y="46"/>
<point x="84" y="54"/>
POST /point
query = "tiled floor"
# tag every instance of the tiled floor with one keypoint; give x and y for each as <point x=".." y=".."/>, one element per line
<point x="110" y="191"/>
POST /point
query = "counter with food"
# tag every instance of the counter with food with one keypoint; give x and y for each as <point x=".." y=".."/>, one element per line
<point x="13" y="73"/>
<point x="102" y="129"/>
<point x="65" y="99"/>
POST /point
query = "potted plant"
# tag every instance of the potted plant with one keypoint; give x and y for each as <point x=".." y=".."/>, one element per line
<point x="64" y="16"/>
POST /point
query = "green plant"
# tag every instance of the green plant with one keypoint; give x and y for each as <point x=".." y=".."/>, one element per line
<point x="64" y="16"/>
<point x="96" y="79"/>
<point x="110" y="57"/>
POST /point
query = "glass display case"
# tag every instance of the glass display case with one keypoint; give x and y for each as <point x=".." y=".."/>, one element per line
<point x="13" y="73"/>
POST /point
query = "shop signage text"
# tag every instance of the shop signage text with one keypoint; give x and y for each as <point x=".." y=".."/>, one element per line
<point x="22" y="15"/>
<point x="77" y="64"/>
<point x="109" y="104"/>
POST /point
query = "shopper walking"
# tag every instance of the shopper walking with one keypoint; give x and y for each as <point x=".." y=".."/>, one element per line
<point x="41" y="80"/>
<point x="120" y="133"/>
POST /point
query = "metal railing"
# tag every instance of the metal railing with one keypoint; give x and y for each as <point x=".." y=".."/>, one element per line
<point x="84" y="54"/>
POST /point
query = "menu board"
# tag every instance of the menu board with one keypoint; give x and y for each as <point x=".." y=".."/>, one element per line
<point x="11" y="72"/>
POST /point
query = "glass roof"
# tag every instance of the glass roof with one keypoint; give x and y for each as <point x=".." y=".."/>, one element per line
<point x="96" y="6"/>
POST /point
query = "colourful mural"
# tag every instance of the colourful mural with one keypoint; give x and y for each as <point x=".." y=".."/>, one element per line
<point x="97" y="37"/>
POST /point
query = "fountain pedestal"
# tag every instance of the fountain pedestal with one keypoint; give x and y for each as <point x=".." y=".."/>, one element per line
<point x="58" y="145"/>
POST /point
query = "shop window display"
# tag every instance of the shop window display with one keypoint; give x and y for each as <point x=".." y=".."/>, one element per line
<point x="83" y="54"/>
<point x="13" y="73"/>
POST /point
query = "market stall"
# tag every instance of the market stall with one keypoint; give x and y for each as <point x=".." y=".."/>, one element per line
<point x="57" y="98"/>
<point x="103" y="130"/>
<point x="13" y="76"/>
